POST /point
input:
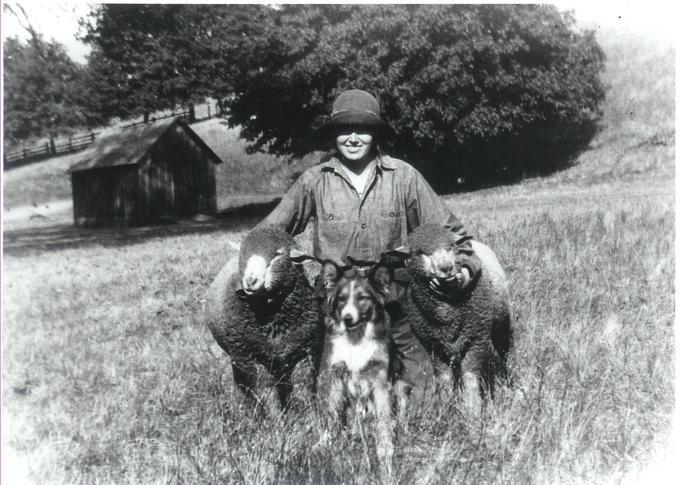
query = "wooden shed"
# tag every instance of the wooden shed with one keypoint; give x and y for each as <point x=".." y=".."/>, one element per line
<point x="139" y="175"/>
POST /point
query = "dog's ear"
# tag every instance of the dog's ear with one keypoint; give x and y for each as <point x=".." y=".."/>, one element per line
<point x="330" y="274"/>
<point x="382" y="277"/>
<point x="298" y="256"/>
<point x="396" y="256"/>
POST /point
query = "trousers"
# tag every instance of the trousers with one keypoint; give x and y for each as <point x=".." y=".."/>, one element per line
<point x="413" y="363"/>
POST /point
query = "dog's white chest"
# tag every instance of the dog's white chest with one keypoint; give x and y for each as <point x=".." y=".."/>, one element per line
<point x="356" y="355"/>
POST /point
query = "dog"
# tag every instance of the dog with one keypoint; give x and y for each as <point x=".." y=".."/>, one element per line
<point x="355" y="365"/>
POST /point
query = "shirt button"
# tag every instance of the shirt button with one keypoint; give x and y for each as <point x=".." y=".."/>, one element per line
<point x="363" y="226"/>
<point x="330" y="217"/>
<point x="391" y="214"/>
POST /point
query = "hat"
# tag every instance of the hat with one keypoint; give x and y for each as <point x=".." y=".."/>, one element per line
<point x="355" y="108"/>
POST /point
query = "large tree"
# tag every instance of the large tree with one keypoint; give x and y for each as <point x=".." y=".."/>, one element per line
<point x="474" y="91"/>
<point x="152" y="57"/>
<point x="43" y="90"/>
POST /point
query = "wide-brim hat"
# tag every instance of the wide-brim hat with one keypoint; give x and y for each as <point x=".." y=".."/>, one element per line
<point x="355" y="108"/>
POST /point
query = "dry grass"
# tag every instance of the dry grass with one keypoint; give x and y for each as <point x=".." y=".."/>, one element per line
<point x="111" y="377"/>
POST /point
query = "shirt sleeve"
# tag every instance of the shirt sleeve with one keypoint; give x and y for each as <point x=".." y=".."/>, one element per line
<point x="294" y="210"/>
<point x="424" y="206"/>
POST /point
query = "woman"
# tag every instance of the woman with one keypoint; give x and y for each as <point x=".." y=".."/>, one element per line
<point x="363" y="203"/>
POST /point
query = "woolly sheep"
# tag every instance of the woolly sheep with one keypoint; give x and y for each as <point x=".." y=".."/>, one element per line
<point x="274" y="319"/>
<point x="468" y="330"/>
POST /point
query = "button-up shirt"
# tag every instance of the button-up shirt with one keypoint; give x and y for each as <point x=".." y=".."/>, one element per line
<point x="395" y="201"/>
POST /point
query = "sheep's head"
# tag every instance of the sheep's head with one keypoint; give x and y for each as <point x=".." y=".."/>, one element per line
<point x="266" y="261"/>
<point x="431" y="253"/>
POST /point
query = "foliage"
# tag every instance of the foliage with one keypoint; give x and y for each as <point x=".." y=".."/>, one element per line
<point x="43" y="94"/>
<point x="472" y="90"/>
<point x="153" y="57"/>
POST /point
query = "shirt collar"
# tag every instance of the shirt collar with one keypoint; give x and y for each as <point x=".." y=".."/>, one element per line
<point x="383" y="162"/>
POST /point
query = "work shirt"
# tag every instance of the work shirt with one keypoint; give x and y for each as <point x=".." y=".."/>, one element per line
<point x="395" y="201"/>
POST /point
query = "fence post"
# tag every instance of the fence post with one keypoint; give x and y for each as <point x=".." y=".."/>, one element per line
<point x="47" y="148"/>
<point x="70" y="145"/>
<point x="208" y="103"/>
<point x="92" y="137"/>
<point x="25" y="154"/>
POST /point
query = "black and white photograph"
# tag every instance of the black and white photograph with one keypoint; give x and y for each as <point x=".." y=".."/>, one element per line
<point x="320" y="243"/>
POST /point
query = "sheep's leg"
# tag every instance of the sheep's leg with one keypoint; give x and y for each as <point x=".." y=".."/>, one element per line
<point x="382" y="403"/>
<point x="316" y="368"/>
<point x="245" y="378"/>
<point x="284" y="388"/>
<point x="443" y="377"/>
<point x="471" y="381"/>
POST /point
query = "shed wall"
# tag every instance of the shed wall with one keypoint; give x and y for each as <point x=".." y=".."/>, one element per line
<point x="104" y="196"/>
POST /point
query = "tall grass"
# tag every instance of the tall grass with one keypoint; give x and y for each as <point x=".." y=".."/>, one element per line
<point x="111" y="376"/>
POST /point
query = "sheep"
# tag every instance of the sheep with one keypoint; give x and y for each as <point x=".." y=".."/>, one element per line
<point x="469" y="330"/>
<point x="275" y="319"/>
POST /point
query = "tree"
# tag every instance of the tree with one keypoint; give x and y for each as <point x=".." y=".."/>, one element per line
<point x="474" y="91"/>
<point x="43" y="93"/>
<point x="154" y="57"/>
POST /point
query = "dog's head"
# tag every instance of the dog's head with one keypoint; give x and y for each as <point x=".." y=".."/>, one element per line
<point x="355" y="298"/>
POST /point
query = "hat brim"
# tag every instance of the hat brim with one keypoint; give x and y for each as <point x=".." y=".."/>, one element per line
<point x="344" y="120"/>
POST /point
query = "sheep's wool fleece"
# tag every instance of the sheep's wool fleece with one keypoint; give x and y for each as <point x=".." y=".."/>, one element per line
<point x="471" y="329"/>
<point x="276" y="331"/>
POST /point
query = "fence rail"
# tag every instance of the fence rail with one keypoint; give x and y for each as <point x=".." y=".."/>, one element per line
<point x="45" y="150"/>
<point x="15" y="158"/>
<point x="182" y="114"/>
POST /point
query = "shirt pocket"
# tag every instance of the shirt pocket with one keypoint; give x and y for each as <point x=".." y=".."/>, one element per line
<point x="389" y="224"/>
<point x="333" y="229"/>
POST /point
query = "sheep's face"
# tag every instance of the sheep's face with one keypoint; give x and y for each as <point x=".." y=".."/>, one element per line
<point x="265" y="263"/>
<point x="262" y="275"/>
<point x="433" y="253"/>
<point x="440" y="264"/>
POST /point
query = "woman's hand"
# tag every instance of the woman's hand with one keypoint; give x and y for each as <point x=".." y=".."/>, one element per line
<point x="457" y="282"/>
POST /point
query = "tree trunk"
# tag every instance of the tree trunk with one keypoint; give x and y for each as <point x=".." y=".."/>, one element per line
<point x="146" y="117"/>
<point x="192" y="113"/>
<point x="53" y="148"/>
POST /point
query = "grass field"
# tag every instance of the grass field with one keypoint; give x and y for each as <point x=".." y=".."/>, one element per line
<point x="110" y="376"/>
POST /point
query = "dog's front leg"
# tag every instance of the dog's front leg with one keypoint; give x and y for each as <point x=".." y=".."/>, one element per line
<point x="382" y="401"/>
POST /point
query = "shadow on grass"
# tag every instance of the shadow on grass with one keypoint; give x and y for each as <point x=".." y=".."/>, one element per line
<point x="33" y="240"/>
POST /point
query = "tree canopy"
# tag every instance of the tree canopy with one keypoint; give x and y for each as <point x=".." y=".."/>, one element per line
<point x="154" y="57"/>
<point x="474" y="91"/>
<point x="43" y="90"/>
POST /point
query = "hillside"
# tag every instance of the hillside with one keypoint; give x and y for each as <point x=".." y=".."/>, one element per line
<point x="636" y="142"/>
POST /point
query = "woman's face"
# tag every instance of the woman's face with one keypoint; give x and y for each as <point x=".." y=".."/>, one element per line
<point x="354" y="143"/>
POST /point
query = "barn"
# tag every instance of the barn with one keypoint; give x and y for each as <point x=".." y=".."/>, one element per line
<point x="162" y="171"/>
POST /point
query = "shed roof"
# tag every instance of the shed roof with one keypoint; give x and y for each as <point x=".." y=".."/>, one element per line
<point x="127" y="147"/>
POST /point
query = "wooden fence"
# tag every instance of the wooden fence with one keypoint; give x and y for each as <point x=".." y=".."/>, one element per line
<point x="182" y="114"/>
<point x="16" y="158"/>
<point x="37" y="152"/>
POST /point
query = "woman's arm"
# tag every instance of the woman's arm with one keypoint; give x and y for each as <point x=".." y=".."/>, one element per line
<point x="294" y="210"/>
<point x="424" y="206"/>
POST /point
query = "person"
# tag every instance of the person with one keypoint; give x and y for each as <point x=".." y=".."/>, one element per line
<point x="364" y="202"/>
